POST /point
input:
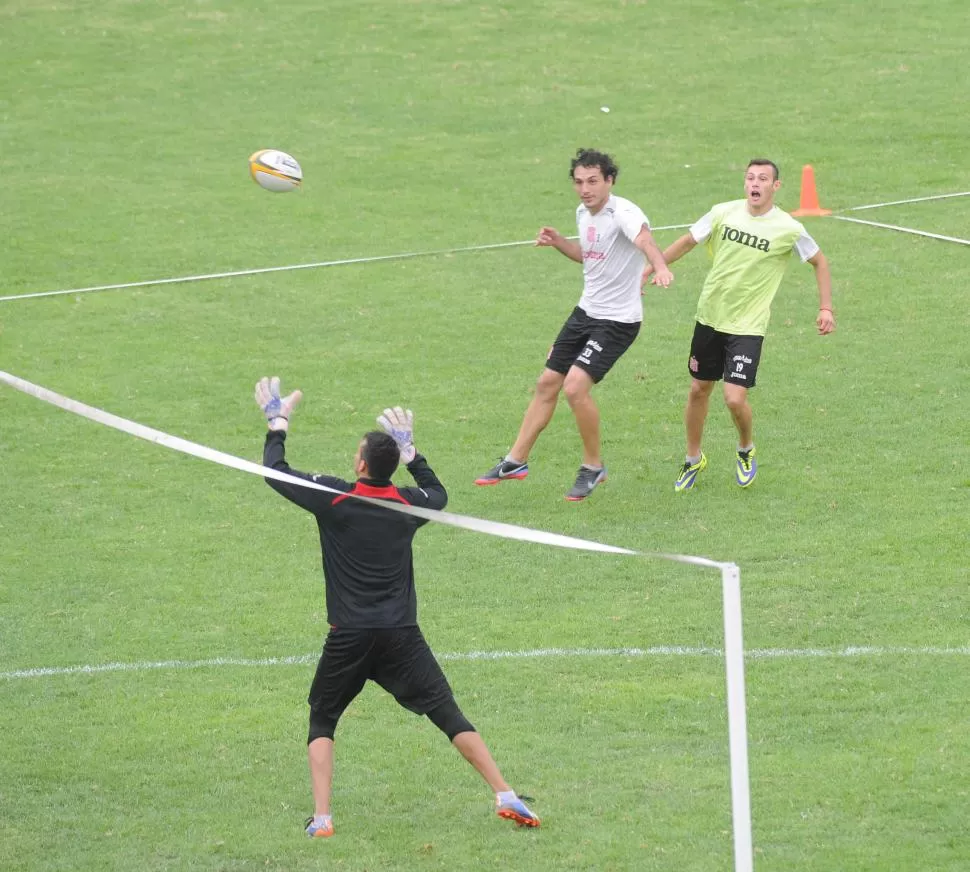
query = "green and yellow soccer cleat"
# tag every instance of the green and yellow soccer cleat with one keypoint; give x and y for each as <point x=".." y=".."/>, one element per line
<point x="688" y="474"/>
<point x="747" y="468"/>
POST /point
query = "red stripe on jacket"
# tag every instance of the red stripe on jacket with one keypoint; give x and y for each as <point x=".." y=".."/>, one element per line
<point x="388" y="492"/>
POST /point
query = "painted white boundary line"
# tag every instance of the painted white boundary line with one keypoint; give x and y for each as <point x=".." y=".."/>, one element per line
<point x="478" y="525"/>
<point x="730" y="580"/>
<point x="902" y="202"/>
<point x="659" y="651"/>
<point x="355" y="260"/>
<point x="273" y="269"/>
<point x="903" y="229"/>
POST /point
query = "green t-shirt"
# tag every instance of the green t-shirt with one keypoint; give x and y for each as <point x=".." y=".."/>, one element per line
<point x="750" y="256"/>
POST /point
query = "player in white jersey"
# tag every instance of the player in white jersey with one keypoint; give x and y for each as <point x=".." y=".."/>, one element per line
<point x="751" y="241"/>
<point x="613" y="246"/>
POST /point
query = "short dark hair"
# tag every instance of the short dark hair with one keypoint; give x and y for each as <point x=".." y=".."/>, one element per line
<point x="764" y="162"/>
<point x="380" y="453"/>
<point x="588" y="157"/>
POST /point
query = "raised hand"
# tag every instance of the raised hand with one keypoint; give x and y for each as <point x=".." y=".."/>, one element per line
<point x="277" y="409"/>
<point x="398" y="423"/>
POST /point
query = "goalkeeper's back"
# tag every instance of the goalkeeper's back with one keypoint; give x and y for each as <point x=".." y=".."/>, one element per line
<point x="367" y="558"/>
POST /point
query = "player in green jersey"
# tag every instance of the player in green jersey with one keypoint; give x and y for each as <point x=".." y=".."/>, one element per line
<point x="751" y="242"/>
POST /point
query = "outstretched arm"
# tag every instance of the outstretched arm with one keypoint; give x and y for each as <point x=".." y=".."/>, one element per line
<point x="278" y="410"/>
<point x="658" y="262"/>
<point x="311" y="499"/>
<point x="430" y="492"/>
<point x="673" y="252"/>
<point x="823" y="278"/>
<point x="569" y="247"/>
<point x="677" y="249"/>
<point x="398" y="423"/>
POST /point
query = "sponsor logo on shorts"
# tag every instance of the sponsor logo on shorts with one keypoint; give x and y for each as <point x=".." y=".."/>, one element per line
<point x="693" y="364"/>
<point x="587" y="353"/>
<point x="740" y="361"/>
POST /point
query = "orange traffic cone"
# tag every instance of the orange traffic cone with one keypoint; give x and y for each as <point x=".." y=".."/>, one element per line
<point x="808" y="202"/>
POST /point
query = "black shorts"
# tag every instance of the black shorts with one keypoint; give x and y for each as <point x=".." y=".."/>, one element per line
<point x="398" y="659"/>
<point x="591" y="344"/>
<point x="715" y="355"/>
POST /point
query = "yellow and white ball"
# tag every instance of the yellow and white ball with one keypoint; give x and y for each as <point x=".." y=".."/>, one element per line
<point x="275" y="170"/>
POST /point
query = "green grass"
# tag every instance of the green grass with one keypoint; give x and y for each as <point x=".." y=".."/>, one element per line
<point x="124" y="130"/>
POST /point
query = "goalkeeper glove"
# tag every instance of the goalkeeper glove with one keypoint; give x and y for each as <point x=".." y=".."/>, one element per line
<point x="399" y="425"/>
<point x="276" y="409"/>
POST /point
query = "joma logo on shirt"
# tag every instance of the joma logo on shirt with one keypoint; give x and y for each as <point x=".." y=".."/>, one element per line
<point x="743" y="238"/>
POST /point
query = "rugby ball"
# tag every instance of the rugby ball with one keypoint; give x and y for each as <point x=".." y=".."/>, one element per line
<point x="275" y="170"/>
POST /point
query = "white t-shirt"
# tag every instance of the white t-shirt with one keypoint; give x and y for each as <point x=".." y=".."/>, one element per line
<point x="612" y="264"/>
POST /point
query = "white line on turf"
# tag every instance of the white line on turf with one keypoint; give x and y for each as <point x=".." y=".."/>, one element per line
<point x="273" y="269"/>
<point x="902" y="202"/>
<point x="659" y="651"/>
<point x="377" y="259"/>
<point x="903" y="229"/>
<point x="478" y="525"/>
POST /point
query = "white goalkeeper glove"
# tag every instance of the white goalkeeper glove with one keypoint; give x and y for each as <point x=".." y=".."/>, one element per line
<point x="277" y="409"/>
<point x="399" y="425"/>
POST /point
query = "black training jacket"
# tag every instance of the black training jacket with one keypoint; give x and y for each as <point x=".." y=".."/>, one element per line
<point x="367" y="561"/>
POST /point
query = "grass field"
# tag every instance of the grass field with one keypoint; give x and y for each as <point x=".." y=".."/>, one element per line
<point x="160" y="616"/>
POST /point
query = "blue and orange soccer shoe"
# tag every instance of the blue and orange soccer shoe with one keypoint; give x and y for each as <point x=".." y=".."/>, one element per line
<point x="514" y="809"/>
<point x="319" y="827"/>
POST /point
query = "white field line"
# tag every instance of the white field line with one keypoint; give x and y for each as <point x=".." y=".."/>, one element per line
<point x="273" y="269"/>
<point x="903" y="229"/>
<point x="853" y="651"/>
<point x="356" y="260"/>
<point x="902" y="202"/>
<point x="466" y="522"/>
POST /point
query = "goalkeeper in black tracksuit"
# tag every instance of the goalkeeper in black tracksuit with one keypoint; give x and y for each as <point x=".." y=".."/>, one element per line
<point x="371" y="600"/>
